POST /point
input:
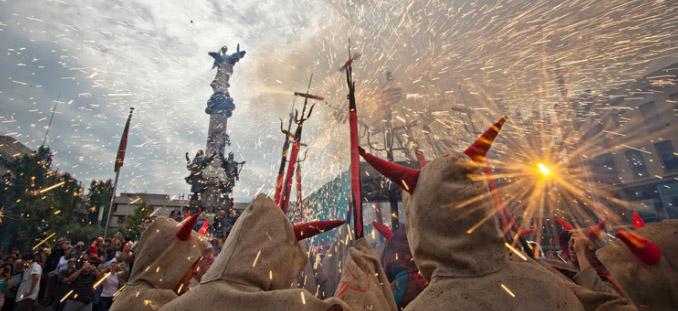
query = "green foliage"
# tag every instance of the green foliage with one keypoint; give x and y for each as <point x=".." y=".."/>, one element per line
<point x="37" y="200"/>
<point x="99" y="197"/>
<point x="141" y="214"/>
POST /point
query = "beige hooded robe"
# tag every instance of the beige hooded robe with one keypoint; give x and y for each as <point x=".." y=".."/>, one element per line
<point x="259" y="261"/>
<point x="473" y="271"/>
<point x="651" y="287"/>
<point x="161" y="262"/>
<point x="330" y="266"/>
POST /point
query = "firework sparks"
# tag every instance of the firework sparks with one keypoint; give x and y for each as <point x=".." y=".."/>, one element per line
<point x="44" y="240"/>
<point x="52" y="187"/>
<point x="507" y="290"/>
<point x="101" y="280"/>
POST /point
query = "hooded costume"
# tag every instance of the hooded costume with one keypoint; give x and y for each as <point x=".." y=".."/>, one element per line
<point x="648" y="285"/>
<point x="166" y="252"/>
<point x="259" y="261"/>
<point x="330" y="266"/>
<point x="459" y="249"/>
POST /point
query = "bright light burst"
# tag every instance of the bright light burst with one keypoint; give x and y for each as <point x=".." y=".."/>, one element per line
<point x="543" y="169"/>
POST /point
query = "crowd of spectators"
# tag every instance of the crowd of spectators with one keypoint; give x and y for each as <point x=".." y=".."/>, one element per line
<point x="63" y="277"/>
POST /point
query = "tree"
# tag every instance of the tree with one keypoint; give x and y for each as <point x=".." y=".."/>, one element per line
<point x="98" y="199"/>
<point x="37" y="200"/>
<point x="130" y="229"/>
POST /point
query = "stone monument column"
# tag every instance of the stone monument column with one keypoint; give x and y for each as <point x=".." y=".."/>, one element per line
<point x="212" y="174"/>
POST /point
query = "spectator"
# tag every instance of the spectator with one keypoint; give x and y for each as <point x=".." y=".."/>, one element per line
<point x="13" y="285"/>
<point x="30" y="284"/>
<point x="78" y="250"/>
<point x="63" y="261"/>
<point x="82" y="282"/>
<point x="5" y="278"/>
<point x="62" y="288"/>
<point x="111" y="284"/>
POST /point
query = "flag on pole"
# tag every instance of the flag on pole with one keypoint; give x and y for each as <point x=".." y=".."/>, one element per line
<point x="123" y="144"/>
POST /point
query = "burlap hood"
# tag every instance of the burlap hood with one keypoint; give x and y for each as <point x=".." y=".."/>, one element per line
<point x="161" y="262"/>
<point x="437" y="223"/>
<point x="261" y="250"/>
<point x="262" y="257"/>
<point x="655" y="286"/>
<point x="458" y="248"/>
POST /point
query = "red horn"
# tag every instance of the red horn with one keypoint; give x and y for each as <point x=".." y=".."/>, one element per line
<point x="309" y="229"/>
<point x="383" y="229"/>
<point x="638" y="221"/>
<point x="564" y="224"/>
<point x="642" y="248"/>
<point x="186" y="226"/>
<point x="401" y="175"/>
<point x="478" y="150"/>
<point x="594" y="232"/>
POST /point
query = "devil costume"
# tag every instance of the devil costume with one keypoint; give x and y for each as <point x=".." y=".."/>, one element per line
<point x="459" y="249"/>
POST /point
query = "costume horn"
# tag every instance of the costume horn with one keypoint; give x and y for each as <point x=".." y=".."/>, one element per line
<point x="564" y="224"/>
<point x="383" y="229"/>
<point x="478" y="150"/>
<point x="401" y="175"/>
<point x="309" y="229"/>
<point x="184" y="232"/>
<point x="594" y="232"/>
<point x="644" y="249"/>
<point x="638" y="221"/>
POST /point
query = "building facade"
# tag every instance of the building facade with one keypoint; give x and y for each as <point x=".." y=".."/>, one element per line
<point x="641" y="134"/>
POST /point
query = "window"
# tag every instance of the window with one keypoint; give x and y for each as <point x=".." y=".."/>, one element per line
<point x="637" y="163"/>
<point x="604" y="169"/>
<point x="651" y="116"/>
<point x="667" y="155"/>
<point x="673" y="99"/>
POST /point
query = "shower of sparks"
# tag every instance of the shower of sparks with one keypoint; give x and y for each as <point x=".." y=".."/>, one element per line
<point x="505" y="288"/>
<point x="52" y="187"/>
<point x="117" y="293"/>
<point x="66" y="296"/>
<point x="104" y="277"/>
<point x="44" y="240"/>
<point x="515" y="251"/>
<point x="543" y="169"/>
<point x="548" y="65"/>
<point x="254" y="263"/>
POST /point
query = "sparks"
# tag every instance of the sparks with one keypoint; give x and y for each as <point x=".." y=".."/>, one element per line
<point x="545" y="170"/>
<point x="515" y="251"/>
<point x="508" y="290"/>
<point x="52" y="187"/>
<point x="256" y="259"/>
<point x="66" y="296"/>
<point x="44" y="240"/>
<point x="101" y="280"/>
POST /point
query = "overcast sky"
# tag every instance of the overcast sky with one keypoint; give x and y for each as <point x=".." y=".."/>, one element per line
<point x="96" y="58"/>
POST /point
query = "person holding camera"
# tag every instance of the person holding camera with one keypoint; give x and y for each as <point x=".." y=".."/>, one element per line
<point x="82" y="283"/>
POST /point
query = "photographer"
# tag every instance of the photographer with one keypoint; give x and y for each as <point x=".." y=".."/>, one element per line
<point x="82" y="282"/>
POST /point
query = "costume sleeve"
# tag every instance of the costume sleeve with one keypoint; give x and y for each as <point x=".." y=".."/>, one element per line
<point x="363" y="284"/>
<point x="590" y="279"/>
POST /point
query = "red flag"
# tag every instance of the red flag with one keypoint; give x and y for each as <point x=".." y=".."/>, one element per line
<point x="120" y="159"/>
